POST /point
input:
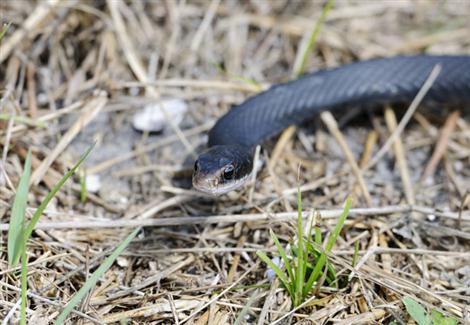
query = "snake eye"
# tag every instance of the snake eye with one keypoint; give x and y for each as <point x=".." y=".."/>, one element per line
<point x="228" y="172"/>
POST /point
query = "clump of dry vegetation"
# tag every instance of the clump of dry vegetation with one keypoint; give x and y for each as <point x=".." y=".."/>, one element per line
<point x="75" y="72"/>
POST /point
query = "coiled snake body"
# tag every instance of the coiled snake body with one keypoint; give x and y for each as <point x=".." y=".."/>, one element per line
<point x="228" y="162"/>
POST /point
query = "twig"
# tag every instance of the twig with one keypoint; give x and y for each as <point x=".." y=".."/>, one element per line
<point x="254" y="174"/>
<point x="232" y="218"/>
<point x="138" y="68"/>
<point x="89" y="113"/>
<point x="50" y="302"/>
<point x="281" y="144"/>
<point x="372" y="138"/>
<point x="330" y="122"/>
<point x="50" y="116"/>
<point x="406" y="118"/>
<point x="400" y="156"/>
<point x="210" y="84"/>
<point x="441" y="145"/>
<point x="153" y="279"/>
<point x="163" y="142"/>
<point x="40" y="13"/>
<point x="217" y="297"/>
<point x="206" y="21"/>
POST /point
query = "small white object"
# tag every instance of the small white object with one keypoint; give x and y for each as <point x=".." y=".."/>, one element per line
<point x="93" y="183"/>
<point x="152" y="118"/>
<point x="42" y="99"/>
<point x="259" y="163"/>
<point x="134" y="91"/>
<point x="122" y="261"/>
<point x="153" y="266"/>
<point x="270" y="274"/>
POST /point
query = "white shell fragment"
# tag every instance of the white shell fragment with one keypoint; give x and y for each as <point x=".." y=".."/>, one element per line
<point x="152" y="118"/>
<point x="122" y="261"/>
<point x="93" y="183"/>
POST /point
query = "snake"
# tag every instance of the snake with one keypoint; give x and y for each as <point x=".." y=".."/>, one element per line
<point x="228" y="161"/>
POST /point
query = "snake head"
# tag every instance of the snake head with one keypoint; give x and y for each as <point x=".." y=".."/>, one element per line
<point x="222" y="168"/>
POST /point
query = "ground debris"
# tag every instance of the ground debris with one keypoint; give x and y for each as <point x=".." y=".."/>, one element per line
<point x="76" y="72"/>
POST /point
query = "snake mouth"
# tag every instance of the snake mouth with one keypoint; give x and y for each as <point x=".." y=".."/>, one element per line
<point x="222" y="168"/>
<point x="213" y="185"/>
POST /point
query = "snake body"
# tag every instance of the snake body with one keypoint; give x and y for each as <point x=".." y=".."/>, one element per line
<point x="228" y="161"/>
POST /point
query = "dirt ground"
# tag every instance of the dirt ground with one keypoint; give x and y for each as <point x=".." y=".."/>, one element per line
<point x="75" y="72"/>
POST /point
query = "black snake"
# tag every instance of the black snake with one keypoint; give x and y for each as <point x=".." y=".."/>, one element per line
<point x="228" y="161"/>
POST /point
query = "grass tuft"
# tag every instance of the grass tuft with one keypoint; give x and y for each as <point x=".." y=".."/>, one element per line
<point x="19" y="232"/>
<point x="307" y="265"/>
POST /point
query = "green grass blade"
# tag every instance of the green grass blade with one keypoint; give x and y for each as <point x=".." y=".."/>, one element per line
<point x="52" y="193"/>
<point x="283" y="254"/>
<point x="16" y="227"/>
<point x="331" y="278"/>
<point x="313" y="38"/>
<point x="91" y="282"/>
<point x="316" y="256"/>
<point x="356" y="254"/>
<point x="23" y="120"/>
<point x="83" y="189"/>
<point x="316" y="273"/>
<point x="416" y="311"/>
<point x="248" y="81"/>
<point x="311" y="253"/>
<point x="339" y="225"/>
<point x="438" y="318"/>
<point x="308" y="241"/>
<point x="4" y="30"/>
<point x="281" y="275"/>
<point x="245" y="309"/>
<point x="318" y="236"/>
<point x="301" y="266"/>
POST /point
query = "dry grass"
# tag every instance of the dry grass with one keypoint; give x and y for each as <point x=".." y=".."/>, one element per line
<point x="76" y="71"/>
